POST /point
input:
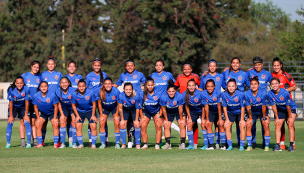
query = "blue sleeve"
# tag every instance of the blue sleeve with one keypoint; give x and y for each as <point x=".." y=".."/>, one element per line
<point x="270" y="101"/>
<point x="224" y="80"/>
<point x="73" y="100"/>
<point x="80" y="77"/>
<point x="243" y="101"/>
<point x="224" y="104"/>
<point x="181" y="100"/>
<point x="104" y="75"/>
<point x="269" y="77"/>
<point x="87" y="80"/>
<point x="138" y="103"/>
<point x="287" y="96"/>
<point x="265" y="100"/>
<point x="93" y="97"/>
<point x="119" y="81"/>
<point x="120" y="100"/>
<point x="143" y="78"/>
<point x="247" y="80"/>
<point x="162" y="101"/>
<point x="34" y="100"/>
<point x="55" y="99"/>
<point x="171" y="77"/>
<point x="247" y="99"/>
<point x="202" y="85"/>
<point x="27" y="94"/>
<point x="60" y="75"/>
<point x="9" y="95"/>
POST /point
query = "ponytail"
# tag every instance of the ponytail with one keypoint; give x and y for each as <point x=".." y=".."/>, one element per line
<point x="171" y="84"/>
<point x="188" y="92"/>
<point x="280" y="61"/>
<point x="13" y="85"/>
<point x="145" y="86"/>
<point x="102" y="92"/>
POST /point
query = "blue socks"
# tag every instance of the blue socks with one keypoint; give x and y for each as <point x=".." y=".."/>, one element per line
<point x="223" y="137"/>
<point x="210" y="138"/>
<point x="74" y="136"/>
<point x="89" y="133"/>
<point x="70" y="130"/>
<point x="80" y="140"/>
<point x="94" y="139"/>
<point x="253" y="131"/>
<point x="28" y="131"/>
<point x="242" y="143"/>
<point x="205" y="137"/>
<point x="267" y="141"/>
<point x="137" y="135"/>
<point x="39" y="139"/>
<point x="237" y="131"/>
<point x="43" y="135"/>
<point x="62" y="132"/>
<point x="56" y="139"/>
<point x="217" y="138"/>
<point x="229" y="142"/>
<point x="263" y="134"/>
<point x="249" y="138"/>
<point x="123" y="135"/>
<point x="102" y="137"/>
<point x="190" y="137"/>
<point x="9" y="129"/>
<point x="117" y="138"/>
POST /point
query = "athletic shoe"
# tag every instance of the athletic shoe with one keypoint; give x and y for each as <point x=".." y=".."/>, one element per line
<point x="93" y="146"/>
<point x="90" y="145"/>
<point x="166" y="146"/>
<point x="266" y="149"/>
<point x="107" y="144"/>
<point x="190" y="147"/>
<point x="117" y="146"/>
<point x="182" y="146"/>
<point x="238" y="147"/>
<point x="241" y="148"/>
<point x="161" y="145"/>
<point x="277" y="148"/>
<point x="123" y="147"/>
<point x="28" y="146"/>
<point x="290" y="149"/>
<point x="217" y="146"/>
<point x="23" y="144"/>
<point x="204" y="147"/>
<point x="71" y="145"/>
<point x="80" y="146"/>
<point x="39" y="146"/>
<point x="75" y="145"/>
<point x="210" y="148"/>
<point x="223" y="148"/>
<point x="157" y="147"/>
<point x="8" y="146"/>
<point x="249" y="148"/>
<point x="263" y="146"/>
<point x="138" y="148"/>
<point x="130" y="144"/>
<point x="230" y="148"/>
<point x="102" y="146"/>
<point x="43" y="144"/>
<point x="145" y="146"/>
<point x="62" y="146"/>
<point x="35" y="143"/>
<point x="56" y="146"/>
<point x="163" y="137"/>
<point x="282" y="147"/>
<point x="59" y="143"/>
<point x="195" y="146"/>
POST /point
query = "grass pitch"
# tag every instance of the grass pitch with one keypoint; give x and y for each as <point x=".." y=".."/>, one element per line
<point x="49" y="159"/>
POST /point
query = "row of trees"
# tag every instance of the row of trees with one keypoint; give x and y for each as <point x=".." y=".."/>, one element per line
<point x="175" y="30"/>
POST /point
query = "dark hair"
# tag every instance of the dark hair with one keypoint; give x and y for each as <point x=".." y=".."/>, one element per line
<point x="129" y="60"/>
<point x="70" y="85"/>
<point x="280" y="61"/>
<point x="80" y="81"/>
<point x="209" y="80"/>
<point x="257" y="59"/>
<point x="36" y="62"/>
<point x="187" y="63"/>
<point x="232" y="80"/>
<point x="255" y="78"/>
<point x="13" y="85"/>
<point x="148" y="79"/>
<point x="130" y="84"/>
<point x="51" y="57"/>
<point x="102" y="91"/>
<point x="100" y="72"/>
<point x="230" y="69"/>
<point x="187" y="91"/>
<point x="171" y="85"/>
<point x="38" y="89"/>
<point x="160" y="60"/>
<point x="72" y="62"/>
<point x="212" y="60"/>
<point x="275" y="78"/>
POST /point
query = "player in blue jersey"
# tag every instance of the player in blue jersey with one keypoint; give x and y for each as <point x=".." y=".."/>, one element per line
<point x="161" y="77"/>
<point x="213" y="114"/>
<point x="129" y="105"/>
<point x="172" y="107"/>
<point x="107" y="102"/>
<point x="73" y="77"/>
<point x="233" y="102"/>
<point x="32" y="80"/>
<point x="151" y="109"/>
<point x="84" y="106"/>
<point x="284" y="109"/>
<point x="45" y="102"/>
<point x="256" y="104"/>
<point x="194" y="105"/>
<point x="18" y="96"/>
<point x="64" y="94"/>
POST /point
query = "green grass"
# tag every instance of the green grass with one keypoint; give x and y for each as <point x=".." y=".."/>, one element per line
<point x="48" y="159"/>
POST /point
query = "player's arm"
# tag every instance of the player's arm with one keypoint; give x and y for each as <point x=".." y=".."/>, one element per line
<point x="180" y="111"/>
<point x="206" y="108"/>
<point x="164" y="112"/>
<point x="249" y="111"/>
<point x="188" y="111"/>
<point x="292" y="88"/>
<point x="120" y="111"/>
<point x="56" y="110"/>
<point x="60" y="108"/>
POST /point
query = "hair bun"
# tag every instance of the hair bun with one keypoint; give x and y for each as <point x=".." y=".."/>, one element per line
<point x="51" y="57"/>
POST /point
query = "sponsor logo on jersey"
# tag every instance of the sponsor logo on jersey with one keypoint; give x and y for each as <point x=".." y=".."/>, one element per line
<point x="164" y="77"/>
<point x="236" y="99"/>
<point x="56" y="77"/>
<point x="214" y="99"/>
<point x="76" y="80"/>
<point x="155" y="97"/>
<point x="281" y="98"/>
<point x="113" y="97"/>
<point x="217" y="78"/>
<point x="263" y="76"/>
<point x="196" y="99"/>
<point x="258" y="99"/>
<point x="133" y="101"/>
<point x="94" y="78"/>
<point x="240" y="78"/>
<point x="174" y="102"/>
<point x="134" y="76"/>
<point x="87" y="97"/>
<point x="48" y="100"/>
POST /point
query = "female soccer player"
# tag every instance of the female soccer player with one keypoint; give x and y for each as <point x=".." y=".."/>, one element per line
<point x="151" y="108"/>
<point x="194" y="109"/>
<point x="84" y="106"/>
<point x="172" y="107"/>
<point x="129" y="105"/>
<point x="213" y="114"/>
<point x="256" y="104"/>
<point x="286" y="82"/>
<point x="234" y="110"/>
<point x="64" y="94"/>
<point x="18" y="96"/>
<point x="45" y="102"/>
<point x="32" y="80"/>
<point x="284" y="109"/>
<point x="107" y="102"/>
<point x="73" y="77"/>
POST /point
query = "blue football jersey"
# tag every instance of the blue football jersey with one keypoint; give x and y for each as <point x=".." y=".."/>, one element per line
<point x="233" y="103"/>
<point x="17" y="98"/>
<point x="65" y="99"/>
<point x="256" y="102"/>
<point x="212" y="100"/>
<point x="74" y="79"/>
<point x="85" y="101"/>
<point x="151" y="102"/>
<point x="217" y="78"/>
<point x="32" y="82"/>
<point x="136" y="78"/>
<point x="110" y="103"/>
<point x="281" y="100"/>
<point x="53" y="80"/>
<point x="45" y="104"/>
<point x="131" y="103"/>
<point x="264" y="77"/>
<point x="93" y="81"/>
<point x="240" y="77"/>
<point x="161" y="81"/>
<point x="196" y="102"/>
<point x="172" y="104"/>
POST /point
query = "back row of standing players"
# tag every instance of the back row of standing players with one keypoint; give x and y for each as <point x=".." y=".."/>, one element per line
<point x="76" y="99"/>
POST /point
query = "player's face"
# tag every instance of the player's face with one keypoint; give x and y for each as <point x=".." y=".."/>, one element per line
<point x="51" y="65"/>
<point x="277" y="66"/>
<point x="212" y="67"/>
<point x="19" y="83"/>
<point x="191" y="86"/>
<point x="35" y="68"/>
<point x="72" y="68"/>
<point x="254" y="85"/>
<point x="130" y="67"/>
<point x="108" y="85"/>
<point x="150" y="86"/>
<point x="81" y="87"/>
<point x="258" y="66"/>
<point x="128" y="90"/>
<point x="64" y="83"/>
<point x="275" y="85"/>
<point x="187" y="70"/>
<point x="96" y="66"/>
<point x="171" y="92"/>
<point x="235" y="64"/>
<point x="210" y="87"/>
<point x="159" y="66"/>
<point x="43" y="87"/>
<point x="231" y="87"/>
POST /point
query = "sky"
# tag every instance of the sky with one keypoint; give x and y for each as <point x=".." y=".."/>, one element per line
<point x="289" y="6"/>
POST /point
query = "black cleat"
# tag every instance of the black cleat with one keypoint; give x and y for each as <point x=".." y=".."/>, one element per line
<point x="254" y="145"/>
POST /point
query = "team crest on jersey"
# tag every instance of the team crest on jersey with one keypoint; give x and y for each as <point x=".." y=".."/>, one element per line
<point x="37" y="80"/>
<point x="133" y="101"/>
<point x="48" y="100"/>
<point x="196" y="99"/>
<point x="39" y="101"/>
<point x="70" y="97"/>
<point x="240" y="78"/>
<point x="174" y="102"/>
<point x="76" y="80"/>
<point x="263" y="76"/>
<point x="217" y="78"/>
<point x="60" y="98"/>
<point x="236" y="99"/>
<point x="22" y="94"/>
<point x="56" y="77"/>
<point x="94" y="78"/>
<point x="155" y="97"/>
<point x="252" y="76"/>
<point x="113" y="97"/>
<point x="214" y="99"/>
<point x="281" y="98"/>
<point x="87" y="97"/>
<point x="258" y="99"/>
<point x="164" y="77"/>
<point x="134" y="76"/>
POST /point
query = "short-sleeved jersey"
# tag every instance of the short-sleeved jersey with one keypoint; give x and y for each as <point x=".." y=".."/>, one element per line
<point x="84" y="102"/>
<point x="110" y="103"/>
<point x="131" y="103"/>
<point x="286" y="80"/>
<point x="240" y="77"/>
<point x="151" y="102"/>
<point x="264" y="77"/>
<point x="217" y="78"/>
<point x="135" y="78"/>
<point x="281" y="100"/>
<point x="212" y="100"/>
<point x="45" y="104"/>
<point x="182" y="81"/>
<point x="53" y="80"/>
<point x="161" y="81"/>
<point x="32" y="82"/>
<point x="74" y="79"/>
<point x="93" y="81"/>
<point x="233" y="103"/>
<point x="256" y="102"/>
<point x="65" y="99"/>
<point x="17" y="98"/>
<point x="196" y="102"/>
<point x="172" y="104"/>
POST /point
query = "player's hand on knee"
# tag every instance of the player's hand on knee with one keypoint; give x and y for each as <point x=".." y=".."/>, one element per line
<point x="166" y="124"/>
<point x="277" y="122"/>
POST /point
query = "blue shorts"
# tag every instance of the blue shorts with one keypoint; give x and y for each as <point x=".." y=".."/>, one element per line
<point x="129" y="114"/>
<point x="213" y="116"/>
<point x="149" y="115"/>
<point x="195" y="116"/>
<point x="256" y="115"/>
<point x="45" y="117"/>
<point x="234" y="117"/>
<point x="31" y="112"/>
<point x="85" y="115"/>
<point x="171" y="116"/>
<point x="107" y="112"/>
<point x="19" y="111"/>
<point x="284" y="115"/>
<point x="66" y="112"/>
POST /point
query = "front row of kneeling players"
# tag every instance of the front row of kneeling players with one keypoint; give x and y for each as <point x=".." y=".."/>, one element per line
<point x="213" y="107"/>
